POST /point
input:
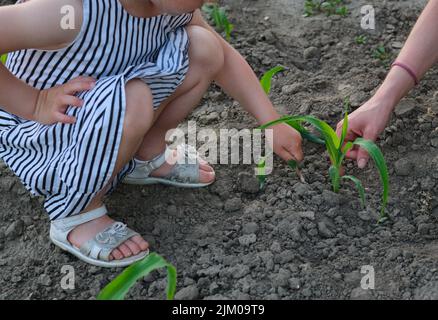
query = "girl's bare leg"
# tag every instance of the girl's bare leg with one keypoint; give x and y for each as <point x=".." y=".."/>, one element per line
<point x="206" y="59"/>
<point x="138" y="120"/>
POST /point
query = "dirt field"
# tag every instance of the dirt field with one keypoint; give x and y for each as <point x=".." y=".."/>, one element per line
<point x="291" y="240"/>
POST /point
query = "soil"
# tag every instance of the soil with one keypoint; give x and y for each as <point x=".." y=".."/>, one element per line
<point x="290" y="240"/>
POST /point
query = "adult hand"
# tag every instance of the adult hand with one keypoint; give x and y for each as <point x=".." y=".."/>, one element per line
<point x="368" y="122"/>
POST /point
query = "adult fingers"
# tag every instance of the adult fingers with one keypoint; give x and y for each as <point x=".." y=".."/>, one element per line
<point x="362" y="154"/>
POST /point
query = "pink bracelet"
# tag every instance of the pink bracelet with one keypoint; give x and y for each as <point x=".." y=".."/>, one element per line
<point x="408" y="70"/>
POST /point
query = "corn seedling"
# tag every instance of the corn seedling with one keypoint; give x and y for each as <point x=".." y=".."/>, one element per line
<point x="119" y="287"/>
<point x="266" y="83"/>
<point x="337" y="149"/>
<point x="361" y="40"/>
<point x="329" y="7"/>
<point x="381" y="54"/>
<point x="266" y="80"/>
<point x="220" y="18"/>
<point x="3" y="58"/>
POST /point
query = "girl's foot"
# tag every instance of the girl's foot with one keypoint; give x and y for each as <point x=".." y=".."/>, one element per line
<point x="84" y="232"/>
<point x="182" y="167"/>
<point x="206" y="172"/>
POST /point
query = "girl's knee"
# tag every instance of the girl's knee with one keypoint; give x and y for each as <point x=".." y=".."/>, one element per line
<point x="139" y="106"/>
<point x="205" y="49"/>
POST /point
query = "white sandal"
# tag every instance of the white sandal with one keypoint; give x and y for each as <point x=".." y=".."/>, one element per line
<point x="97" y="250"/>
<point x="184" y="175"/>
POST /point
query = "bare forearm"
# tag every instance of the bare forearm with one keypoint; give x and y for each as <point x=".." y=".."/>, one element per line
<point x="16" y="97"/>
<point x="420" y="53"/>
<point x="238" y="80"/>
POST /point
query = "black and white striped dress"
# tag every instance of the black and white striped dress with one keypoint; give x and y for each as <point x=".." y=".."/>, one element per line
<point x="70" y="164"/>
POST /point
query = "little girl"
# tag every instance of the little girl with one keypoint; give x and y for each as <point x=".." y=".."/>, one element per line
<point x="85" y="107"/>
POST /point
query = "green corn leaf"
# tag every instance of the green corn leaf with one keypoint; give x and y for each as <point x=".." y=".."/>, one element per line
<point x="304" y="133"/>
<point x="359" y="187"/>
<point x="344" y="131"/>
<point x="261" y="173"/>
<point x="328" y="134"/>
<point x="335" y="178"/>
<point x="292" y="164"/>
<point x="3" y="58"/>
<point x="266" y="80"/>
<point x="347" y="147"/>
<point x="379" y="160"/>
<point x="119" y="287"/>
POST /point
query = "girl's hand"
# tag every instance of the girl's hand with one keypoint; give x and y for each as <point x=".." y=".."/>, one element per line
<point x="369" y="121"/>
<point x="52" y="103"/>
<point x="287" y="143"/>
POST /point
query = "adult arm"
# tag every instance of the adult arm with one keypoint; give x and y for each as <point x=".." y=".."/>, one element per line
<point x="419" y="53"/>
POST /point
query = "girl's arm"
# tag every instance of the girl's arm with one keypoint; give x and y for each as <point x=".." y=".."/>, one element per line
<point x="239" y="81"/>
<point x="419" y="53"/>
<point x="33" y="24"/>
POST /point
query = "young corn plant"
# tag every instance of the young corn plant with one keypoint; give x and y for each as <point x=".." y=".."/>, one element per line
<point x="3" y="58"/>
<point x="382" y="54"/>
<point x="361" y="39"/>
<point x="329" y="7"/>
<point x="119" y="287"/>
<point x="266" y="83"/>
<point x="337" y="149"/>
<point x="220" y="18"/>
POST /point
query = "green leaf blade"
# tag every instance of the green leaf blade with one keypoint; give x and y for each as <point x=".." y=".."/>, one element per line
<point x="261" y="173"/>
<point x="335" y="178"/>
<point x="119" y="287"/>
<point x="328" y="134"/>
<point x="359" y="187"/>
<point x="266" y="80"/>
<point x="378" y="158"/>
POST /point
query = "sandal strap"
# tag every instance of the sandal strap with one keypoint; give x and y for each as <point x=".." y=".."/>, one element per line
<point x="151" y="165"/>
<point x="101" y="246"/>
<point x="186" y="170"/>
<point x="69" y="223"/>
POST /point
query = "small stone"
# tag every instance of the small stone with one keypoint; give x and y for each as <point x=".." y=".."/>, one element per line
<point x="248" y="183"/>
<point x="301" y="189"/>
<point x="397" y="45"/>
<point x="353" y="278"/>
<point x="360" y="294"/>
<point x="330" y="198"/>
<point x="312" y="53"/>
<point x="15" y="230"/>
<point x="281" y="279"/>
<point x="292" y="88"/>
<point x="357" y="98"/>
<point x="232" y="205"/>
<point x="187" y="293"/>
<point x="307" y="215"/>
<point x="250" y="227"/>
<point x="44" y="280"/>
<point x="240" y="271"/>
<point x="403" y="167"/>
<point x="404" y="107"/>
<point x="294" y="283"/>
<point x="247" y="240"/>
<point x="393" y="253"/>
<point x="324" y="231"/>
